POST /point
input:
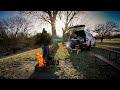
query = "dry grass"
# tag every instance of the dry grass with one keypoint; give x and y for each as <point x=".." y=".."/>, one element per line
<point x="114" y="43"/>
<point x="84" y="65"/>
<point x="72" y="65"/>
<point x="108" y="45"/>
<point x="114" y="39"/>
<point x="62" y="53"/>
<point x="18" y="66"/>
<point x="21" y="56"/>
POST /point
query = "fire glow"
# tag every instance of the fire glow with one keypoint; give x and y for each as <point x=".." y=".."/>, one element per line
<point x="41" y="60"/>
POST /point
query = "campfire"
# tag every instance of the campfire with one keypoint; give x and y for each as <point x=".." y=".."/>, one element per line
<point x="41" y="60"/>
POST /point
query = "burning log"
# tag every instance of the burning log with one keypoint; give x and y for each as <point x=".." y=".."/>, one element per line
<point x="41" y="60"/>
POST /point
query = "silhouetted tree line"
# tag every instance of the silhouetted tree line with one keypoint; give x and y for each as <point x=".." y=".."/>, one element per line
<point x="115" y="36"/>
<point x="14" y="34"/>
<point x="109" y="36"/>
<point x="106" y="30"/>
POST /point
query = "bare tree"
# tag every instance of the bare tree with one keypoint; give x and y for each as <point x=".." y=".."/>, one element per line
<point x="4" y="38"/>
<point x="46" y="16"/>
<point x="105" y="30"/>
<point x="15" y="30"/>
<point x="69" y="18"/>
<point x="17" y="24"/>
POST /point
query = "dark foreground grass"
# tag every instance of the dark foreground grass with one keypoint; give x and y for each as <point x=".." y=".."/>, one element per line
<point x="109" y="71"/>
<point x="85" y="64"/>
<point x="105" y="54"/>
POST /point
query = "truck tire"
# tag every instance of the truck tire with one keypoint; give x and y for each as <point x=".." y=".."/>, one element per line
<point x="72" y="45"/>
<point x="89" y="48"/>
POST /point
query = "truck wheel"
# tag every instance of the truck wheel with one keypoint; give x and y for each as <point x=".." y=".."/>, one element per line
<point x="82" y="48"/>
<point x="89" y="48"/>
<point x="72" y="46"/>
<point x="94" y="45"/>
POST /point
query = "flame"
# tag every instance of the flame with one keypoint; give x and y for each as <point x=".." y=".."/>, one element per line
<point x="41" y="60"/>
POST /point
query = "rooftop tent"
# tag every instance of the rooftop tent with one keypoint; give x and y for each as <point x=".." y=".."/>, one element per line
<point x="77" y="28"/>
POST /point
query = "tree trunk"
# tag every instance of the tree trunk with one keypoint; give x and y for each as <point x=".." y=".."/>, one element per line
<point x="64" y="31"/>
<point x="53" y="27"/>
<point x="52" y="15"/>
<point x="102" y="40"/>
<point x="63" y="37"/>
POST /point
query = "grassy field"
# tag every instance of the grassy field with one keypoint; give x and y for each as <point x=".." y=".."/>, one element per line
<point x="21" y="56"/>
<point x="105" y="54"/>
<point x="112" y="45"/>
<point x="107" y="45"/>
<point x="17" y="66"/>
<point x="21" y="66"/>
<point x="71" y="66"/>
<point x="114" y="39"/>
<point x="84" y="66"/>
<point x="115" y="42"/>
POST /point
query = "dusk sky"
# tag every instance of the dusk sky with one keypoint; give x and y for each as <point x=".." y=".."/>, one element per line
<point x="103" y="16"/>
<point x="95" y="17"/>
